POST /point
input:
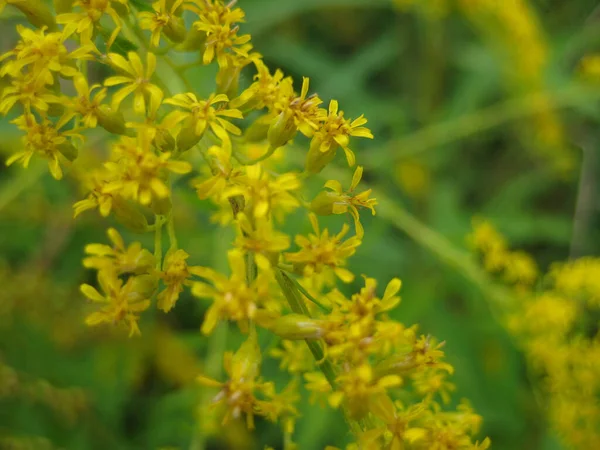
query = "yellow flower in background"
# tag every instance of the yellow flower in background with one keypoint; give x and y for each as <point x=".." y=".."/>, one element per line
<point x="232" y="298"/>
<point x="338" y="201"/>
<point x="137" y="81"/>
<point x="120" y="302"/>
<point x="261" y="239"/>
<point x="163" y="20"/>
<point x="320" y="251"/>
<point x="207" y="114"/>
<point x="45" y="139"/>
<point x="175" y="275"/>
<point x="118" y="258"/>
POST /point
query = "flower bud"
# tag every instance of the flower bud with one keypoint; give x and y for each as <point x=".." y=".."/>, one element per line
<point x="112" y="121"/>
<point x="194" y="40"/>
<point x="161" y="206"/>
<point x="228" y="80"/>
<point x="175" y="29"/>
<point x="164" y="141"/>
<point x="297" y="326"/>
<point x="37" y="13"/>
<point x="187" y="136"/>
<point x="282" y="130"/>
<point x="145" y="285"/>
<point x="322" y="204"/>
<point x="128" y="214"/>
<point x="258" y="130"/>
<point x="68" y="151"/>
<point x="316" y="160"/>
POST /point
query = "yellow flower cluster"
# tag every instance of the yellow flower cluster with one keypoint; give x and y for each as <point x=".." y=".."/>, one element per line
<point x="553" y="320"/>
<point x="355" y="357"/>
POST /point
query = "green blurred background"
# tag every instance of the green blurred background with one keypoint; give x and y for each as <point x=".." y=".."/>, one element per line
<point x="452" y="95"/>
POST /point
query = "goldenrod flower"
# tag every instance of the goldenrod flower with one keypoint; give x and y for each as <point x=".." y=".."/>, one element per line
<point x="175" y="275"/>
<point x="98" y="197"/>
<point x="261" y="239"/>
<point x="240" y="393"/>
<point x="137" y="81"/>
<point x="85" y="22"/>
<point x="265" y="194"/>
<point x="84" y="104"/>
<point x="223" y="175"/>
<point x="163" y="20"/>
<point x="137" y="173"/>
<point x="319" y="251"/>
<point x="232" y="298"/>
<point x="204" y="114"/>
<point x="338" y="201"/>
<point x="334" y="132"/>
<point x="45" y="55"/>
<point x="122" y="302"/>
<point x="45" y="139"/>
<point x="118" y="258"/>
<point x="29" y="91"/>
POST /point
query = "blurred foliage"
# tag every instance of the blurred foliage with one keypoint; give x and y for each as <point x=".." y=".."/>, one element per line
<point x="473" y="116"/>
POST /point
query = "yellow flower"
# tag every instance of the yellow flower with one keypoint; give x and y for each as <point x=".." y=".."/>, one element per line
<point x="240" y="393"/>
<point x="338" y="201"/>
<point x="96" y="181"/>
<point x="44" y="55"/>
<point x="334" y="132"/>
<point x="92" y="11"/>
<point x="261" y="239"/>
<point x="175" y="275"/>
<point x="223" y="175"/>
<point x="45" y="139"/>
<point x="360" y="388"/>
<point x="118" y="258"/>
<point x="84" y="104"/>
<point x="137" y="81"/>
<point x="294" y="356"/>
<point x="204" y="114"/>
<point x="29" y="91"/>
<point x="232" y="298"/>
<point x="221" y="37"/>
<point x="265" y="194"/>
<point x="137" y="172"/>
<point x="264" y="92"/>
<point x="163" y="20"/>
<point x="122" y="302"/>
<point x="320" y="251"/>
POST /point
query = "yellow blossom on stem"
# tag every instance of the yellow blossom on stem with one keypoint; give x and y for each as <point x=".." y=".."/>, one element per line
<point x="319" y="251"/>
<point x="137" y="81"/>
<point x="261" y="239"/>
<point x="122" y="303"/>
<point x="334" y="132"/>
<point x="84" y="104"/>
<point x="29" y="91"/>
<point x="118" y="258"/>
<point x="45" y="139"/>
<point x="175" y="275"/>
<point x="338" y="201"/>
<point x="223" y="175"/>
<point x="204" y="114"/>
<point x="232" y="298"/>
<point x="163" y="20"/>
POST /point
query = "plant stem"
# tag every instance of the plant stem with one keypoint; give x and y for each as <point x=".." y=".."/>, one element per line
<point x="158" y="224"/>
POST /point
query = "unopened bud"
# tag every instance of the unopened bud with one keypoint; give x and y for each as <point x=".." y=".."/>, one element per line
<point x="322" y="204"/>
<point x="164" y="141"/>
<point x="145" y="285"/>
<point x="187" y="136"/>
<point x="297" y="326"/>
<point x="175" y="29"/>
<point x="161" y="206"/>
<point x="316" y="160"/>
<point x="228" y="81"/>
<point x="194" y="40"/>
<point x="37" y="13"/>
<point x="68" y="150"/>
<point x="282" y="130"/>
<point x="258" y="130"/>
<point x="111" y="120"/>
<point x="128" y="214"/>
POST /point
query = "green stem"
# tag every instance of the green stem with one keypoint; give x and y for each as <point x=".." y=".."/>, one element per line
<point x="158" y="225"/>
<point x="171" y="233"/>
<point x="310" y="297"/>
